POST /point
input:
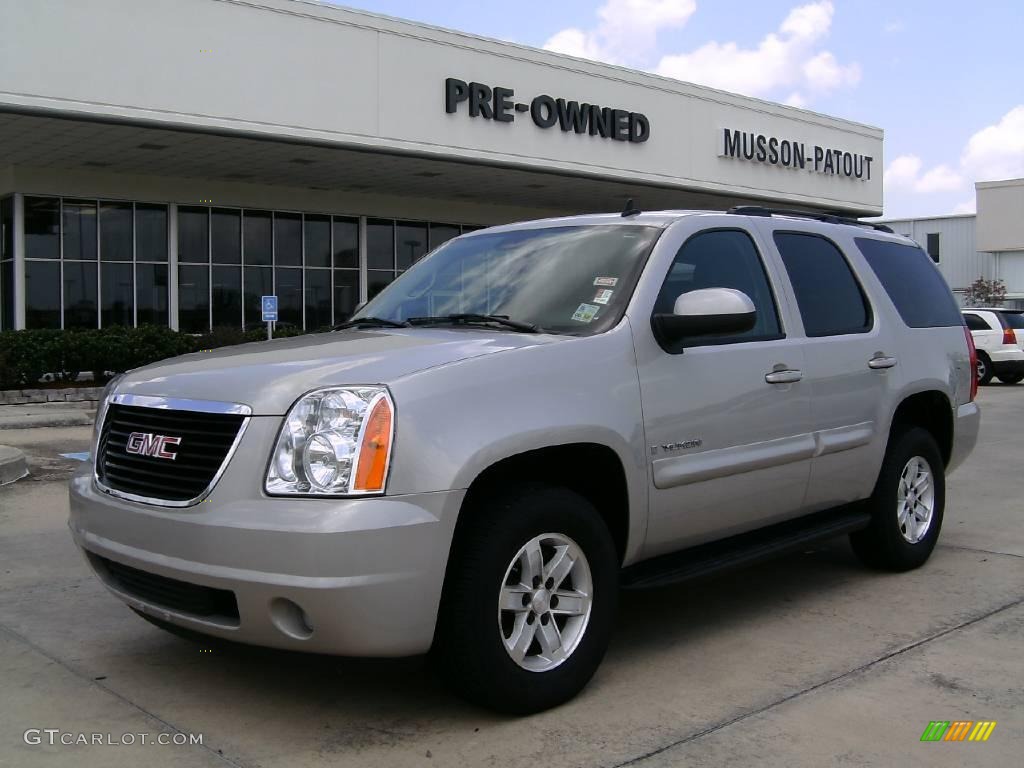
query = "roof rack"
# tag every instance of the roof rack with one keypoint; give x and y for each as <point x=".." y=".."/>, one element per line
<point x="828" y="218"/>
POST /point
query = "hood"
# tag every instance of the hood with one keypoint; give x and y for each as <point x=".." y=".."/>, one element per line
<point x="269" y="376"/>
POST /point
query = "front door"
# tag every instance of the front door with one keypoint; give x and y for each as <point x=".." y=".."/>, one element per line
<point x="727" y="419"/>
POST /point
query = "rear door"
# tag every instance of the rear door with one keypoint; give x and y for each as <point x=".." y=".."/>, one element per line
<point x="985" y="329"/>
<point x="850" y="361"/>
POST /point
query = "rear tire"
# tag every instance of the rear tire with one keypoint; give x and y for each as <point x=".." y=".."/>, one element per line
<point x="1011" y="378"/>
<point x="521" y="630"/>
<point x="907" y="504"/>
<point x="985" y="371"/>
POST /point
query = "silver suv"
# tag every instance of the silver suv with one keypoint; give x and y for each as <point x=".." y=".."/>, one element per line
<point x="529" y="418"/>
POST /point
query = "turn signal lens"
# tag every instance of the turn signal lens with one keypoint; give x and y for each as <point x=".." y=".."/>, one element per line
<point x="375" y="448"/>
<point x="1009" y="337"/>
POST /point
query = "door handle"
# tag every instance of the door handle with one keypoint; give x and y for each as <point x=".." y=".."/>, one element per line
<point x="783" y="377"/>
<point x="881" y="363"/>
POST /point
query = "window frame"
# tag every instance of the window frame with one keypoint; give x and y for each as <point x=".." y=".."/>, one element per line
<point x="724" y="340"/>
<point x="865" y="298"/>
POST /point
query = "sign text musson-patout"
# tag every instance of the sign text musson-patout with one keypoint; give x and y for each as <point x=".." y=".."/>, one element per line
<point x="786" y="153"/>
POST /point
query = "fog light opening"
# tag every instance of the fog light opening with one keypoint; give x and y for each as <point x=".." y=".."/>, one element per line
<point x="290" y="619"/>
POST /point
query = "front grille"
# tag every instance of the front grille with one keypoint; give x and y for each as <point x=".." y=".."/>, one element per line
<point x="172" y="594"/>
<point x="204" y="440"/>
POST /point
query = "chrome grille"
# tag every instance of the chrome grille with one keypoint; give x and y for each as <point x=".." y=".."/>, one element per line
<point x="131" y="462"/>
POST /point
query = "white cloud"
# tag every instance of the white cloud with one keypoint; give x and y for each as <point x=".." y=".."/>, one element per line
<point x="824" y="73"/>
<point x="941" y="178"/>
<point x="787" y="58"/>
<point x="967" y="206"/>
<point x="796" y="99"/>
<point x="892" y="27"/>
<point x="627" y="30"/>
<point x="904" y="172"/>
<point x="997" y="151"/>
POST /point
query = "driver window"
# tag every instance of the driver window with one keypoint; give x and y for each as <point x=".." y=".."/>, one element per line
<point x="722" y="258"/>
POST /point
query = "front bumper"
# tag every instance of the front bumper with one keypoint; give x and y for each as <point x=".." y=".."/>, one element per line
<point x="366" y="573"/>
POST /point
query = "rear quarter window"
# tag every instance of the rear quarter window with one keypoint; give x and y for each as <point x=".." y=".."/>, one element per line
<point x="915" y="286"/>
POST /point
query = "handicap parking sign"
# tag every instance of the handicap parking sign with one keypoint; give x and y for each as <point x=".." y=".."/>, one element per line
<point x="269" y="308"/>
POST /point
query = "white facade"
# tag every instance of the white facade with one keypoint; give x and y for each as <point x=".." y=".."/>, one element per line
<point x="297" y="106"/>
<point x="1001" y="232"/>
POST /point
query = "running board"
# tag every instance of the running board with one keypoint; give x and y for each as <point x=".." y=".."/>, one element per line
<point x="744" y="549"/>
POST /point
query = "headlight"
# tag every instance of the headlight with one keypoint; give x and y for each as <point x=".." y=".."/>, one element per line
<point x="101" y="411"/>
<point x="334" y="442"/>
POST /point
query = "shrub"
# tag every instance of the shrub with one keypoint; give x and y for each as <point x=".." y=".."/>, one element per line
<point x="25" y="356"/>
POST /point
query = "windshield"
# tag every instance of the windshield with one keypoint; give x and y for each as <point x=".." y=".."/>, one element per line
<point x="573" y="279"/>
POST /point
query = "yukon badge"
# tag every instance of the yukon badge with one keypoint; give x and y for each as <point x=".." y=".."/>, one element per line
<point x="680" y="446"/>
<point x="148" y="444"/>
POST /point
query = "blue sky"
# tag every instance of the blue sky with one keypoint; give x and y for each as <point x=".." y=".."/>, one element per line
<point x="945" y="81"/>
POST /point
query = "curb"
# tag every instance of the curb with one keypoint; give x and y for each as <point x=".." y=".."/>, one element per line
<point x="48" y="415"/>
<point x="12" y="465"/>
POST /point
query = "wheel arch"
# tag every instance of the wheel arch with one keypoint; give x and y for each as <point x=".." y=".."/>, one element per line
<point x="592" y="469"/>
<point x="930" y="410"/>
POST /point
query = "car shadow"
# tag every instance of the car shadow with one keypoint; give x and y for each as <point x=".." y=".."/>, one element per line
<point x="401" y="690"/>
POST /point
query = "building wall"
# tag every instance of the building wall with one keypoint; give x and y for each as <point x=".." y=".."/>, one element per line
<point x="312" y="72"/>
<point x="959" y="260"/>
<point x="1000" y="215"/>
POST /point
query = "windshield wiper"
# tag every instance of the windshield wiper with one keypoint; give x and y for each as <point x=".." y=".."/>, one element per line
<point x="370" y="322"/>
<point x="470" y="317"/>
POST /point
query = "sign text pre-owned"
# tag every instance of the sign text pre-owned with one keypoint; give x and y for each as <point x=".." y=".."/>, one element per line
<point x="546" y="111"/>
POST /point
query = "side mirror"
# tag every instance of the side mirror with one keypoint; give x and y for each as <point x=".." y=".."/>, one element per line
<point x="706" y="312"/>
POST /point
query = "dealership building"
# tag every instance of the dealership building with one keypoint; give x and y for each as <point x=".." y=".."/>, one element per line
<point x="170" y="161"/>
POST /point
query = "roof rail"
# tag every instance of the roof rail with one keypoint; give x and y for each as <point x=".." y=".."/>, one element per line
<point x="828" y="218"/>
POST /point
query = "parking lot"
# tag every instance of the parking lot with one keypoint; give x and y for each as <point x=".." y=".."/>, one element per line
<point x="809" y="660"/>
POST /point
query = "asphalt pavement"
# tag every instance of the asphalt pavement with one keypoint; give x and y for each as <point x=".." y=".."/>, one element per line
<point x="806" y="661"/>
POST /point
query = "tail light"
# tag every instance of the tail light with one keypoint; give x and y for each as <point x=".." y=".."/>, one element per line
<point x="1009" y="337"/>
<point x="974" y="362"/>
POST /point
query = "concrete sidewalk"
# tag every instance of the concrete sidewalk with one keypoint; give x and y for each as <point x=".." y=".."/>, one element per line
<point x="47" y="415"/>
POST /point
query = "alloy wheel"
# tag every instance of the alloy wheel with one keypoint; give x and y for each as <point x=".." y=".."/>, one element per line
<point x="915" y="499"/>
<point x="544" y="602"/>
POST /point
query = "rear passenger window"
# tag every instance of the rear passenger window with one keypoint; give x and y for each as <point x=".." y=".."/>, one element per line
<point x="975" y="322"/>
<point x="721" y="258"/>
<point x="830" y="300"/>
<point x="913" y="283"/>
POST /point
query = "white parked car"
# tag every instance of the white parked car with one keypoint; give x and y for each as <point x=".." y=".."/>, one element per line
<point x="999" y="338"/>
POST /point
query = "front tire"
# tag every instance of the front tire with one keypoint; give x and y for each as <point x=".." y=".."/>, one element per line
<point x="529" y="600"/>
<point x="907" y="504"/>
<point x="1011" y="378"/>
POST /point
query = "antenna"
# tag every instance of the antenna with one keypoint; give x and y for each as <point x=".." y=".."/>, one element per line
<point x="631" y="209"/>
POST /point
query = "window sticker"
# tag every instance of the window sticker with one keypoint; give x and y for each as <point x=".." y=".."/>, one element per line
<point x="603" y="296"/>
<point x="585" y="312"/>
<point x="609" y="281"/>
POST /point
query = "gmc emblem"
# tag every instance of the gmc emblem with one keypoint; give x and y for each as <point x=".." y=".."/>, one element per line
<point x="148" y="444"/>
